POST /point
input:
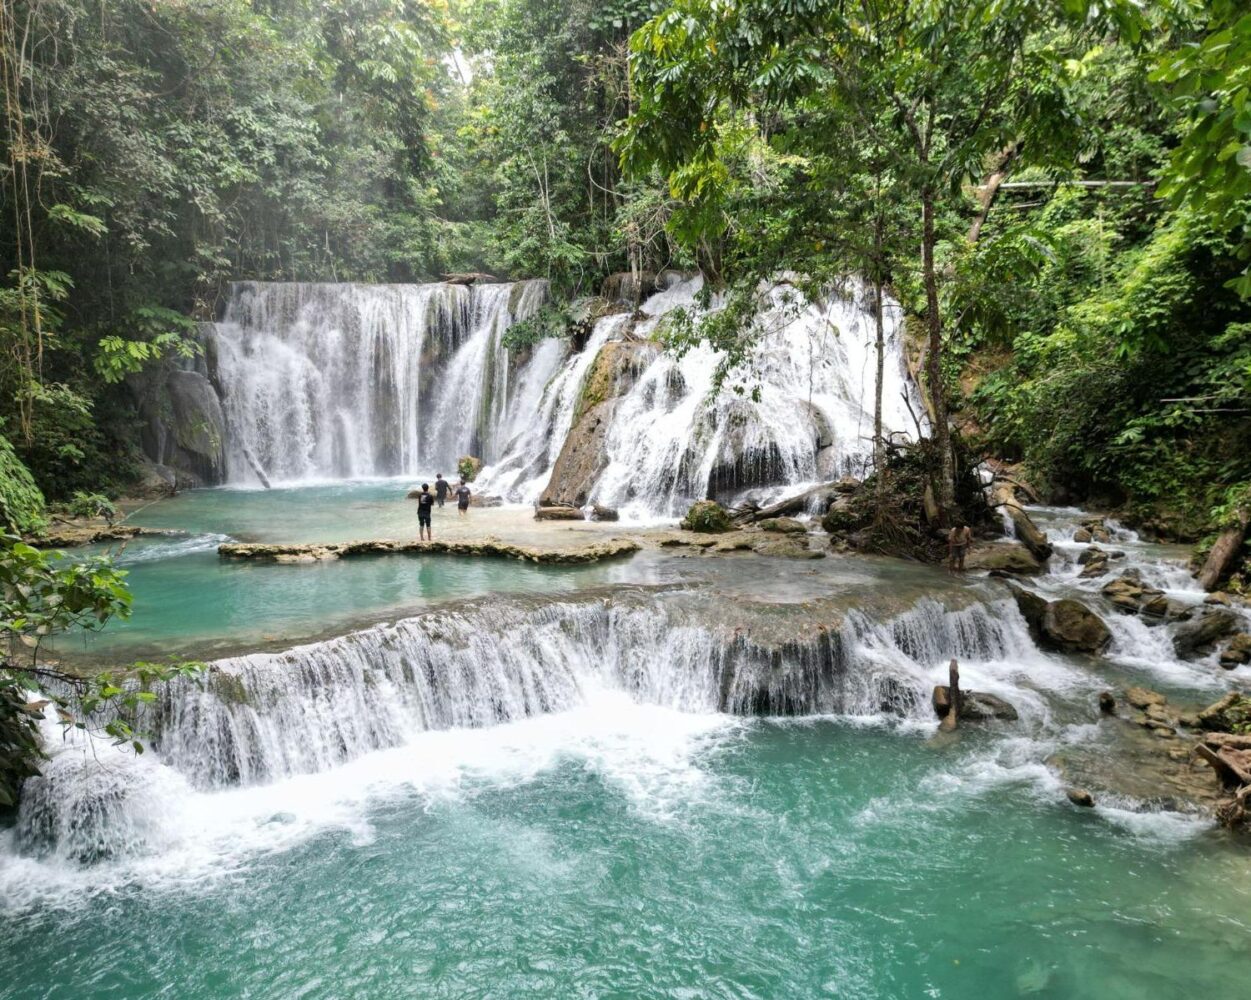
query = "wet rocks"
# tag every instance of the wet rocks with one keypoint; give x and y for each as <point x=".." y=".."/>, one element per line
<point x="787" y="547"/>
<point x="1192" y="638"/>
<point x="1003" y="557"/>
<point x="1080" y="797"/>
<point x="707" y="516"/>
<point x="783" y="525"/>
<point x="1066" y="624"/>
<point x="1107" y="703"/>
<point x="1071" y="626"/>
<point x="593" y="552"/>
<point x="602" y="513"/>
<point x="1143" y="698"/>
<point x="975" y="706"/>
<point x="1237" y="652"/>
<point x="1094" y="562"/>
<point x="1082" y="535"/>
<point x="1231" y="714"/>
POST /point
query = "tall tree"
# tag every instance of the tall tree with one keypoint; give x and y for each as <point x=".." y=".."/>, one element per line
<point x="947" y="83"/>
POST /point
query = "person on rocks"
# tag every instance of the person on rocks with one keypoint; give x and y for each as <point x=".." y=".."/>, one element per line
<point x="462" y="497"/>
<point x="441" y="486"/>
<point x="958" y="541"/>
<point x="425" y="505"/>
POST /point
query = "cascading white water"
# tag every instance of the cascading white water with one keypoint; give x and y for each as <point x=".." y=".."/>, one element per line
<point x="270" y="716"/>
<point x="803" y="411"/>
<point x="806" y="414"/>
<point x="336" y="381"/>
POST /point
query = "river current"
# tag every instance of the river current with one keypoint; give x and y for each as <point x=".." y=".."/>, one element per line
<point x="667" y="777"/>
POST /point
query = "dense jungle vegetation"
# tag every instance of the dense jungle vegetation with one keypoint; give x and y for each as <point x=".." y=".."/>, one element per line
<point x="1058" y="192"/>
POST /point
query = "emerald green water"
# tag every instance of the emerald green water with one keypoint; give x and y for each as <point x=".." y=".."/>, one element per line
<point x="621" y="851"/>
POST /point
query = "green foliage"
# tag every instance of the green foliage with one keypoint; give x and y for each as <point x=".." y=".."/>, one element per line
<point x="707" y="516"/>
<point x="549" y="321"/>
<point x="92" y="505"/>
<point x="467" y="467"/>
<point x="1209" y="79"/>
<point x="21" y="502"/>
<point x="42" y="594"/>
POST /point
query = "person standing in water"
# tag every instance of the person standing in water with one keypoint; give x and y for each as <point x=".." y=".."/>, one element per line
<point x="425" y="506"/>
<point x="462" y="497"/>
<point x="958" y="541"/>
<point x="441" y="487"/>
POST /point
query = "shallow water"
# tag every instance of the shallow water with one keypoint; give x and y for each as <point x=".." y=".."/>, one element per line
<point x="621" y="850"/>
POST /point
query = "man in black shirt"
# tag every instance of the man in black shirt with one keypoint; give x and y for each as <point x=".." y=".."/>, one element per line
<point x="462" y="497"/>
<point x="425" y="504"/>
<point x="441" y="486"/>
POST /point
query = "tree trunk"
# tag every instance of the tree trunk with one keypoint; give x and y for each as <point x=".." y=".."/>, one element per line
<point x="879" y="443"/>
<point x="1224" y="554"/>
<point x="934" y="368"/>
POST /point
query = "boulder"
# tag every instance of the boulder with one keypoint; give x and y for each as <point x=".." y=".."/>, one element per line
<point x="184" y="427"/>
<point x="1092" y="554"/>
<point x="975" y="706"/>
<point x="154" y="481"/>
<point x="583" y="457"/>
<point x="787" y="547"/>
<point x="1032" y="607"/>
<point x="602" y="513"/>
<point x="1128" y="593"/>
<point x="1101" y="535"/>
<point x="1080" y="797"/>
<point x="1006" y="557"/>
<point x="783" y="525"/>
<point x="1095" y="566"/>
<point x="1193" y="637"/>
<point x="1234" y="710"/>
<point x="1143" y="698"/>
<point x="1237" y="652"/>
<point x="624" y="286"/>
<point x="1082" y="535"/>
<point x="840" y="518"/>
<point x="1107" y="703"/>
<point x="707" y="516"/>
<point x="1071" y="626"/>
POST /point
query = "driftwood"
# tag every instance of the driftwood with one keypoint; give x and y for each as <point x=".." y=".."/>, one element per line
<point x="783" y="508"/>
<point x="1230" y="765"/>
<point x="952" y="718"/>
<point x="1224" y="555"/>
<point x="471" y="278"/>
<point x="256" y="467"/>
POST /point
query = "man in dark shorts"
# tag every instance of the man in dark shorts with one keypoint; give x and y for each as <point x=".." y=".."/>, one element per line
<point x="425" y="505"/>
<point x="462" y="497"/>
<point x="958" y="541"/>
<point x="441" y="486"/>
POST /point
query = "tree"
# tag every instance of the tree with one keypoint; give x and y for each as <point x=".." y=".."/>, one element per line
<point x="946" y="85"/>
<point x="43" y="594"/>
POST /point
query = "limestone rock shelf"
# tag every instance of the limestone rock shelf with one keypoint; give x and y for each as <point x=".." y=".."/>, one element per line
<point x="583" y="553"/>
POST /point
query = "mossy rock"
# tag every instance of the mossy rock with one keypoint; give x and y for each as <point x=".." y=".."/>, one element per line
<point x="840" y="520"/>
<point x="707" y="516"/>
<point x="783" y="525"/>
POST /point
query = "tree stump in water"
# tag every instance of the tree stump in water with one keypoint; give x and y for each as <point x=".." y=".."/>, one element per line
<point x="952" y="718"/>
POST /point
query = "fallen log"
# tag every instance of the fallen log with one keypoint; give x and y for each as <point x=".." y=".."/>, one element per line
<point x="1025" y="530"/>
<point x="1224" y="555"/>
<point x="1229" y="770"/>
<point x="470" y="278"/>
<point x="791" y="505"/>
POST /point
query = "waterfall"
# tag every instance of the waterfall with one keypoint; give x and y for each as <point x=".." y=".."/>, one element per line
<point x="798" y="411"/>
<point x="336" y="381"/>
<point x="265" y="717"/>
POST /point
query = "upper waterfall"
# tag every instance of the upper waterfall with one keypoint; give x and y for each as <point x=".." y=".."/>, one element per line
<point x="343" y="381"/>
<point x="338" y="381"/>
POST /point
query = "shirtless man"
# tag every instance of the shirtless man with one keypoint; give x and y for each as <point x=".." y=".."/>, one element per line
<point x="958" y="541"/>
